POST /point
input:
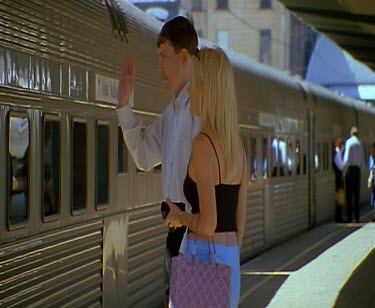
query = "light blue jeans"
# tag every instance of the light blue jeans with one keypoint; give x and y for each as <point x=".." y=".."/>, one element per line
<point x="224" y="255"/>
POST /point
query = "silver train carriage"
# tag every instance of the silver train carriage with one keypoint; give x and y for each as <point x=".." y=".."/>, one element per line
<point x="80" y="225"/>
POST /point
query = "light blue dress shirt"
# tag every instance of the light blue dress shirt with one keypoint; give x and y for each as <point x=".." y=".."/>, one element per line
<point x="168" y="141"/>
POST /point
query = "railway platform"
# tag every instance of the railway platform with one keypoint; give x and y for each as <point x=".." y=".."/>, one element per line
<point x="332" y="265"/>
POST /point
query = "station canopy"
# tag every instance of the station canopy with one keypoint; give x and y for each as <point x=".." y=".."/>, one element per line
<point x="349" y="23"/>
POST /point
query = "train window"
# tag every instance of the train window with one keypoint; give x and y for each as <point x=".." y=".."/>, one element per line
<point x="264" y="158"/>
<point x="2" y="66"/>
<point x="318" y="155"/>
<point x="51" y="166"/>
<point x="77" y="82"/>
<point x="282" y="157"/>
<point x="12" y="69"/>
<point x="290" y="157"/>
<point x="325" y="156"/>
<point x="79" y="166"/>
<point x="298" y="157"/>
<point x="45" y="76"/>
<point x="278" y="157"/>
<point x="102" y="164"/>
<point x="303" y="153"/>
<point x="23" y="70"/>
<point x="274" y="156"/>
<point x="34" y="77"/>
<point x="265" y="4"/>
<point x="19" y="163"/>
<point x="253" y="159"/>
<point x="122" y="153"/>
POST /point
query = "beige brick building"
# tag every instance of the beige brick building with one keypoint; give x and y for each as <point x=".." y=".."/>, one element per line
<point x="258" y="29"/>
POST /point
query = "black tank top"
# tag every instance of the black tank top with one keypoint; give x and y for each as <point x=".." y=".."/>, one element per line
<point x="226" y="200"/>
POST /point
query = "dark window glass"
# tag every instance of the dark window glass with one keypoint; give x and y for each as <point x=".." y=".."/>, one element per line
<point x="289" y="162"/>
<point x="122" y="153"/>
<point x="325" y="156"/>
<point x="51" y="167"/>
<point x="265" y="46"/>
<point x="222" y="4"/>
<point x="265" y="4"/>
<point x="264" y="158"/>
<point x="3" y="68"/>
<point x="274" y="156"/>
<point x="79" y="167"/>
<point x="282" y="160"/>
<point x="317" y="156"/>
<point x="18" y="153"/>
<point x="298" y="157"/>
<point x="253" y="159"/>
<point x="102" y="164"/>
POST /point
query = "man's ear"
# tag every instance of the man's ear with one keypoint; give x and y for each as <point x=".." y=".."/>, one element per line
<point x="185" y="56"/>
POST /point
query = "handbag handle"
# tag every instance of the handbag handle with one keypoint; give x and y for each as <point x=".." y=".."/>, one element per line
<point x="209" y="247"/>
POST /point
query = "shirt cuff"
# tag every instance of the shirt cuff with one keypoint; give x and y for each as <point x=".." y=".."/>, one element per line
<point x="126" y="117"/>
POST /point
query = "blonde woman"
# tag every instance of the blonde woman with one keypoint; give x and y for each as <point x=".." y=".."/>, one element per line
<point x="216" y="180"/>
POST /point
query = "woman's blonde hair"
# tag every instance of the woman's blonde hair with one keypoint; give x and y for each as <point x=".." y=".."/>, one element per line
<point x="212" y="74"/>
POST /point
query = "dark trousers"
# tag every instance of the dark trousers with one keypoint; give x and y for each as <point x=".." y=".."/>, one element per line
<point x="172" y="248"/>
<point x="352" y="186"/>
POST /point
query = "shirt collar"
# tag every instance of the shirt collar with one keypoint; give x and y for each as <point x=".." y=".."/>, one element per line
<point x="181" y="100"/>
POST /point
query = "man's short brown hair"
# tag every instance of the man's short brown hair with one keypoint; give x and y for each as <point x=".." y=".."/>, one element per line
<point x="180" y="32"/>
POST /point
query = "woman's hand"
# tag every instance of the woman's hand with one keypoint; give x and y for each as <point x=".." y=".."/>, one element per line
<point x="173" y="218"/>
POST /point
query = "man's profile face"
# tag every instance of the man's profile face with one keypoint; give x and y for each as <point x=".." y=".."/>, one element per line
<point x="170" y="66"/>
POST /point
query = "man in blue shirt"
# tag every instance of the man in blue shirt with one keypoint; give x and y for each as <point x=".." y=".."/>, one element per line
<point x="353" y="162"/>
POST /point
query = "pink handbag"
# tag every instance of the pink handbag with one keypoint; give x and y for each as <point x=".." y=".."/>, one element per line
<point x="197" y="284"/>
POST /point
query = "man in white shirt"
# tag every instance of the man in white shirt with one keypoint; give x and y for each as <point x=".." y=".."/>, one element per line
<point x="168" y="140"/>
<point x="353" y="162"/>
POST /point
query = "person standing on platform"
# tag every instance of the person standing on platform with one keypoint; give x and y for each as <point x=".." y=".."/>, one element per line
<point x="169" y="139"/>
<point x="337" y="167"/>
<point x="216" y="178"/>
<point x="353" y="162"/>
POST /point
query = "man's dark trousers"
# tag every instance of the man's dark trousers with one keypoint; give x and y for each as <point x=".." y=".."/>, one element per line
<point x="352" y="187"/>
<point x="172" y="249"/>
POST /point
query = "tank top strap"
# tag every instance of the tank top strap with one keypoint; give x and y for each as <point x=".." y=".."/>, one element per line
<point x="217" y="157"/>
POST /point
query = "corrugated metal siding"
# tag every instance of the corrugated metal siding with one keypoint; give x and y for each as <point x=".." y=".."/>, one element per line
<point x="254" y="237"/>
<point x="147" y="236"/>
<point x="324" y="196"/>
<point x="58" y="268"/>
<point x="289" y="200"/>
<point x="72" y="31"/>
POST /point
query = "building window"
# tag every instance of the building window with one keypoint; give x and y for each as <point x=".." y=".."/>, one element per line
<point x="51" y="166"/>
<point x="265" y="46"/>
<point x="222" y="4"/>
<point x="222" y="39"/>
<point x="265" y="4"/>
<point x="196" y="5"/>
